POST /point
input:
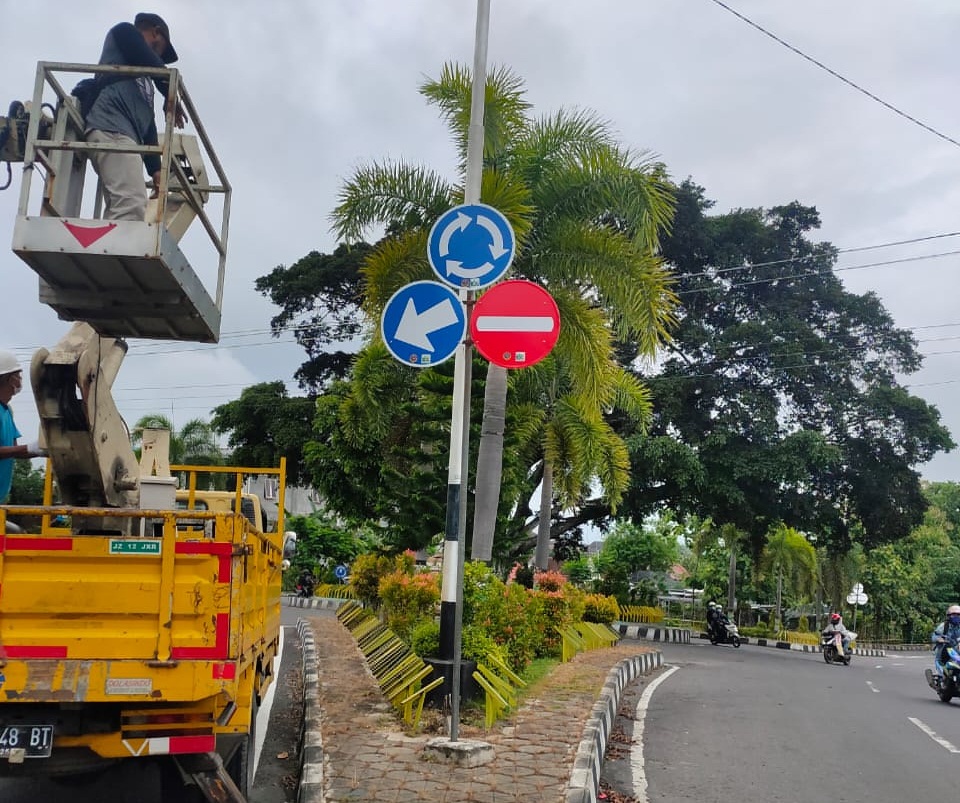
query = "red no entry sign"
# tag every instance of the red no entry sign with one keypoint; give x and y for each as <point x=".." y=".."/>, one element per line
<point x="515" y="324"/>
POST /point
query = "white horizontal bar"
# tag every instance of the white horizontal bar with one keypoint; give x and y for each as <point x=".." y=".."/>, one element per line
<point x="514" y="323"/>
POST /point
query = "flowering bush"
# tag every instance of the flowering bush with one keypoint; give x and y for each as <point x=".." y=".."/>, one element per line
<point x="365" y="574"/>
<point x="601" y="608"/>
<point x="562" y="604"/>
<point x="550" y="581"/>
<point x="408" y="599"/>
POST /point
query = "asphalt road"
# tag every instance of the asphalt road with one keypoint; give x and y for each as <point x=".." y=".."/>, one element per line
<point x="758" y="724"/>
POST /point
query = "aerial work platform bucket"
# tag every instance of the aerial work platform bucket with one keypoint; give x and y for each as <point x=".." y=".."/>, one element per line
<point x="126" y="278"/>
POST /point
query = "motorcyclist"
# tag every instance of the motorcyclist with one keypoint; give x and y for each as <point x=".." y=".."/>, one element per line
<point x="946" y="634"/>
<point x="720" y="623"/>
<point x="712" y="619"/>
<point x="306" y="583"/>
<point x="836" y="625"/>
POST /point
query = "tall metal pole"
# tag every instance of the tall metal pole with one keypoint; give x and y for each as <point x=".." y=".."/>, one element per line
<point x="454" y="544"/>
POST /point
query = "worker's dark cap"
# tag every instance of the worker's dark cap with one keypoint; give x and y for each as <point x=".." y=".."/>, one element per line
<point x="146" y="20"/>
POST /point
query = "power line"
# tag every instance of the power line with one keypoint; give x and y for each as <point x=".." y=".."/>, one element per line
<point x="788" y="260"/>
<point x="837" y="75"/>
<point x="813" y="273"/>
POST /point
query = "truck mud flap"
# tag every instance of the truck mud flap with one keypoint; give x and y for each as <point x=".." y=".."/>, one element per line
<point x="211" y="777"/>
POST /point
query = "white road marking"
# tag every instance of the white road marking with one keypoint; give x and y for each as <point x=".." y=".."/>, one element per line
<point x="873" y="688"/>
<point x="639" y="778"/>
<point x="263" y="715"/>
<point x="933" y="735"/>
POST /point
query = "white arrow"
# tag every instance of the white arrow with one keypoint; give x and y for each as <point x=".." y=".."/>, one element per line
<point x="514" y="323"/>
<point x="455" y="268"/>
<point x="415" y="326"/>
<point x="497" y="249"/>
<point x="459" y="223"/>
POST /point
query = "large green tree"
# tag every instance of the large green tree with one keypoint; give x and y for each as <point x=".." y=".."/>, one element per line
<point x="319" y="297"/>
<point x="586" y="215"/>
<point x="779" y="399"/>
<point x="265" y="424"/>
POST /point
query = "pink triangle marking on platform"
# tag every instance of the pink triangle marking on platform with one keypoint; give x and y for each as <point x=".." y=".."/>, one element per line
<point x="87" y="235"/>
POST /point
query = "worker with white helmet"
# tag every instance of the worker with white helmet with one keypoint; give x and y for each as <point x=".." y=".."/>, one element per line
<point x="11" y="381"/>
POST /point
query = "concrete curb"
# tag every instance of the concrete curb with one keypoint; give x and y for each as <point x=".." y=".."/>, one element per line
<point x="675" y="635"/>
<point x="310" y="789"/>
<point x="865" y="652"/>
<point x="584" y="786"/>
<point x="293" y="601"/>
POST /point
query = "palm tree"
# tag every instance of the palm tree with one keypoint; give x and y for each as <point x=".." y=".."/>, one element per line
<point x="194" y="444"/>
<point x="791" y="557"/>
<point x="586" y="215"/>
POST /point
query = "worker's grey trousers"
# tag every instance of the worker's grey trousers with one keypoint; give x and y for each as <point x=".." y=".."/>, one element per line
<point x="121" y="175"/>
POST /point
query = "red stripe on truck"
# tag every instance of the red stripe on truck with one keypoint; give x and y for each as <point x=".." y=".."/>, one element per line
<point x="193" y="744"/>
<point x="17" y="651"/>
<point x="10" y="543"/>
<point x="225" y="551"/>
<point x="215" y="653"/>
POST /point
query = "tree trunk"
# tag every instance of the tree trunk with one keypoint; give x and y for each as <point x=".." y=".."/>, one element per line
<point x="489" y="464"/>
<point x="546" y="516"/>
<point x="779" y="596"/>
<point x="732" y="578"/>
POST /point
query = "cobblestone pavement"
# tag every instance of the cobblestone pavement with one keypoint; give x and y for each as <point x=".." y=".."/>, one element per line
<point x="368" y="756"/>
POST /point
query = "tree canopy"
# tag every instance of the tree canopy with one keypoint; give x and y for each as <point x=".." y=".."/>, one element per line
<point x="779" y="399"/>
<point x="265" y="424"/>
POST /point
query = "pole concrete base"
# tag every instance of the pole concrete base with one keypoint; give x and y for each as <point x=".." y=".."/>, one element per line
<point x="461" y="753"/>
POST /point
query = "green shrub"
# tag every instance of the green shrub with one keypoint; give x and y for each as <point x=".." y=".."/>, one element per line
<point x="758" y="631"/>
<point x="365" y="574"/>
<point x="479" y="646"/>
<point x="425" y="638"/>
<point x="408" y="599"/>
<point x="601" y="609"/>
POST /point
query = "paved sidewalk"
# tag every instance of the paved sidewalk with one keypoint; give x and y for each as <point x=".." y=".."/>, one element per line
<point x="367" y="756"/>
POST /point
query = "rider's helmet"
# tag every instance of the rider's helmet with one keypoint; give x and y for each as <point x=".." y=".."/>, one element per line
<point x="953" y="614"/>
<point x="834" y="617"/>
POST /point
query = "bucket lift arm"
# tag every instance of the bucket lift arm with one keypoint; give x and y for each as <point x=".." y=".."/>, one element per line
<point x="86" y="438"/>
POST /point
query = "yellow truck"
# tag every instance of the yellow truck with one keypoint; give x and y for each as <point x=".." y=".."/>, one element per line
<point x="138" y="623"/>
<point x="128" y="647"/>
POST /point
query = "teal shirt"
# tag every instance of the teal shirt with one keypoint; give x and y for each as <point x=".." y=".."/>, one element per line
<point x="8" y="437"/>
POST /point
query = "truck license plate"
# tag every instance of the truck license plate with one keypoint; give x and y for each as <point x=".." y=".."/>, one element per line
<point x="36" y="741"/>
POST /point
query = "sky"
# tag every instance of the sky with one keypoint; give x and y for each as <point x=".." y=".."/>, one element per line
<point x="296" y="95"/>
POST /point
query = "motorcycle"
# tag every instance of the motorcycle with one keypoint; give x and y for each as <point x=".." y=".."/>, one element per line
<point x="832" y="646"/>
<point x="306" y="587"/>
<point x="947" y="686"/>
<point x="728" y="634"/>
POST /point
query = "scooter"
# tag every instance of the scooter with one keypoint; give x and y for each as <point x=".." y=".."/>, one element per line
<point x="728" y="634"/>
<point x="832" y="646"/>
<point x="947" y="686"/>
<point x="305" y="587"/>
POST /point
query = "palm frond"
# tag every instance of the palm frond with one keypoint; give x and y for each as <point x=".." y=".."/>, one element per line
<point x="393" y="263"/>
<point x="505" y="107"/>
<point x="390" y="194"/>
<point x="631" y="396"/>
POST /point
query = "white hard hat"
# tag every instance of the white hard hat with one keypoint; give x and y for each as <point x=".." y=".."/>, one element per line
<point x="9" y="363"/>
<point x="953" y="609"/>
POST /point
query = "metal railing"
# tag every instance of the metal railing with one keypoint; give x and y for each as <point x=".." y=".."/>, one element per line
<point x="69" y="121"/>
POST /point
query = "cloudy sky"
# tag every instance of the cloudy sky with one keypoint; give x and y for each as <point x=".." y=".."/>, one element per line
<point x="297" y="94"/>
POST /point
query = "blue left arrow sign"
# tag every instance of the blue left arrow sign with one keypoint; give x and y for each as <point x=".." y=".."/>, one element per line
<point x="423" y="323"/>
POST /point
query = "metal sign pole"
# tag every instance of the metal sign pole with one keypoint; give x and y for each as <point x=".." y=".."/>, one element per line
<point x="451" y="605"/>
